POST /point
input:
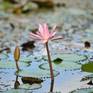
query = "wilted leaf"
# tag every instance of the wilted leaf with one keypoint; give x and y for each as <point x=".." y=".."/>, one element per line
<point x="31" y="80"/>
<point x="28" y="46"/>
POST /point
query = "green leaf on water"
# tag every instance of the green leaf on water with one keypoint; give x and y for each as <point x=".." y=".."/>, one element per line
<point x="83" y="90"/>
<point x="65" y="65"/>
<point x="68" y="57"/>
<point x="16" y="91"/>
<point x="57" y="61"/>
<point x="11" y="65"/>
<point x="37" y="72"/>
<point x="31" y="87"/>
<point x="88" y="67"/>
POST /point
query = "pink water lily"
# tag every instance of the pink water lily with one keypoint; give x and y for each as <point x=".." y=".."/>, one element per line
<point x="44" y="34"/>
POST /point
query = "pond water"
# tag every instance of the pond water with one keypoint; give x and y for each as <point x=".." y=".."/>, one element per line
<point x="76" y="27"/>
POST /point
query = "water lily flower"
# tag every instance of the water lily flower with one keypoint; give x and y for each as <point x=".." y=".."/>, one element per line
<point x="44" y="34"/>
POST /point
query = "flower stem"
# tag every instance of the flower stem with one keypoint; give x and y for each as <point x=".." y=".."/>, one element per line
<point x="17" y="66"/>
<point x="51" y="68"/>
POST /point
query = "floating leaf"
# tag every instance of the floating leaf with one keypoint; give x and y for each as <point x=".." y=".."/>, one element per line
<point x="30" y="87"/>
<point x="88" y="77"/>
<point x="65" y="65"/>
<point x="11" y="65"/>
<point x="3" y="56"/>
<point x="69" y="57"/>
<point x="88" y="67"/>
<point x="31" y="80"/>
<point x="83" y="90"/>
<point x="37" y="73"/>
<point x="28" y="46"/>
<point x="16" y="91"/>
<point x="87" y="44"/>
<point x="57" y="60"/>
<point x="5" y="49"/>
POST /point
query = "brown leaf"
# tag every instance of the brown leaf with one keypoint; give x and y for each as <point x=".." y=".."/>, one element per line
<point x="28" y="46"/>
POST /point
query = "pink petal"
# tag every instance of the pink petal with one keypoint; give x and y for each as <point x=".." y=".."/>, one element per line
<point x="46" y="30"/>
<point x="53" y="31"/>
<point x="38" y="33"/>
<point x="52" y="34"/>
<point x="57" y="38"/>
<point x="35" y="35"/>
<point x="54" y="28"/>
<point x="41" y="30"/>
<point x="34" y="38"/>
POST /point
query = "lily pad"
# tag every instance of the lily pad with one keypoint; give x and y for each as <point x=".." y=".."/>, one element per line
<point x="88" y="77"/>
<point x="83" y="90"/>
<point x="69" y="57"/>
<point x="57" y="60"/>
<point x="88" y="67"/>
<point x="65" y="65"/>
<point x="30" y="87"/>
<point x="38" y="73"/>
<point x="88" y="38"/>
<point x="30" y="80"/>
<point x="16" y="91"/>
<point x="23" y="58"/>
<point x="3" y="56"/>
<point x="11" y="65"/>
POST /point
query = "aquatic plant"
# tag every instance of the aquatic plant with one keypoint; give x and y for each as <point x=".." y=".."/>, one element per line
<point x="17" y="56"/>
<point x="88" y="67"/>
<point x="83" y="90"/>
<point x="43" y="34"/>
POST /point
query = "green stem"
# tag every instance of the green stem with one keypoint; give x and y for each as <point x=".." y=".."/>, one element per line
<point x="51" y="68"/>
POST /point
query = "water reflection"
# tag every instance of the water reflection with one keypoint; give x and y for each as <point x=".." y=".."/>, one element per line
<point x="28" y="83"/>
<point x="52" y="85"/>
<point x="17" y="83"/>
